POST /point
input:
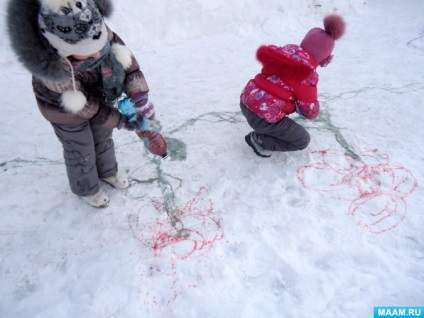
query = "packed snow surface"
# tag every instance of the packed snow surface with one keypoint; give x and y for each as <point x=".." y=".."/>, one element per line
<point x="330" y="231"/>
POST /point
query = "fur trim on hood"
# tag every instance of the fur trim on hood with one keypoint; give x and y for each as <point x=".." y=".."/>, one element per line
<point x="275" y="62"/>
<point x="31" y="47"/>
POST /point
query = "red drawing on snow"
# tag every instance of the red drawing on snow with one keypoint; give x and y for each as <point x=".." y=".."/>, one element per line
<point x="375" y="188"/>
<point x="151" y="226"/>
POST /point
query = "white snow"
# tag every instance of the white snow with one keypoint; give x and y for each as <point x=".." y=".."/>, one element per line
<point x="314" y="233"/>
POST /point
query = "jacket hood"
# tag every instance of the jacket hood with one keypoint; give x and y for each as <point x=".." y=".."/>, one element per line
<point x="31" y="47"/>
<point x="277" y="62"/>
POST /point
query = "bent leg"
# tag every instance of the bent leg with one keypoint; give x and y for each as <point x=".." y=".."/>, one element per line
<point x="285" y="135"/>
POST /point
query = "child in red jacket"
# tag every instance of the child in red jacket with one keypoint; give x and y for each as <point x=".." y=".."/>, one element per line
<point x="287" y="84"/>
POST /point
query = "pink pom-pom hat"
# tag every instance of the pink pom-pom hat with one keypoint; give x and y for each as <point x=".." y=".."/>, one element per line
<point x="320" y="43"/>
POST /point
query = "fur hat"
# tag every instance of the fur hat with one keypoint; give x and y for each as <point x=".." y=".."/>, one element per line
<point x="320" y="43"/>
<point x="31" y="47"/>
<point x="44" y="57"/>
<point x="72" y="27"/>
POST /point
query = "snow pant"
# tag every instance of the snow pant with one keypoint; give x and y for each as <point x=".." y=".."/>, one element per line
<point x="89" y="155"/>
<point x="285" y="135"/>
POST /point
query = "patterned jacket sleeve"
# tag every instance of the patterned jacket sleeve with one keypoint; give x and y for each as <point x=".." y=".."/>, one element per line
<point x="48" y="95"/>
<point x="135" y="81"/>
<point x="307" y="97"/>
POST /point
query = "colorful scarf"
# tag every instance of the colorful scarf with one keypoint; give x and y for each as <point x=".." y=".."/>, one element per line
<point x="111" y="73"/>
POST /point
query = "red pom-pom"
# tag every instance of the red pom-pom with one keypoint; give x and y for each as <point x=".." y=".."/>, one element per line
<point x="334" y="25"/>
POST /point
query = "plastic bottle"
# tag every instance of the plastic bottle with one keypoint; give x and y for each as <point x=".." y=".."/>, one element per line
<point x="147" y="130"/>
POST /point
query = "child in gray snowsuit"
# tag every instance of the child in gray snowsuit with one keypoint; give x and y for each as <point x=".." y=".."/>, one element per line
<point x="80" y="68"/>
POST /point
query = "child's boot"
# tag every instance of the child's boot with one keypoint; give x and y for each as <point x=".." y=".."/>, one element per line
<point x="97" y="200"/>
<point x="118" y="181"/>
<point x="256" y="144"/>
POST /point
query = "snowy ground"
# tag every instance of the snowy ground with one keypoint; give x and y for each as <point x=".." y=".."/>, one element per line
<point x="331" y="231"/>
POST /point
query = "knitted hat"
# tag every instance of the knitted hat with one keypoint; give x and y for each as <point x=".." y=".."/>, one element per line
<point x="72" y="27"/>
<point x="320" y="43"/>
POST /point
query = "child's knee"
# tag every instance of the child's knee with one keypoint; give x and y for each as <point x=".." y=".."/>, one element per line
<point x="304" y="141"/>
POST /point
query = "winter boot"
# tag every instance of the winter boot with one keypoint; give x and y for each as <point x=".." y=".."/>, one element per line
<point x="255" y="142"/>
<point x="97" y="200"/>
<point x="118" y="181"/>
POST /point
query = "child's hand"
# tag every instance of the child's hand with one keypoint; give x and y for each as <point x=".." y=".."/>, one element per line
<point x="138" y="123"/>
<point x="135" y="118"/>
<point x="127" y="123"/>
<point x="143" y="106"/>
<point x="127" y="107"/>
<point x="307" y="110"/>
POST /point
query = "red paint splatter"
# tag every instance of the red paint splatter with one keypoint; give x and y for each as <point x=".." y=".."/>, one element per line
<point x="151" y="226"/>
<point x="375" y="188"/>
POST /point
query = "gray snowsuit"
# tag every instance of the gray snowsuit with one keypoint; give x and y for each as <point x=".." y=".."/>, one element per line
<point x="86" y="134"/>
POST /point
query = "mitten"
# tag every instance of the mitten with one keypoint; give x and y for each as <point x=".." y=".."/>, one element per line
<point x="133" y="116"/>
<point x="307" y="110"/>
<point x="143" y="106"/>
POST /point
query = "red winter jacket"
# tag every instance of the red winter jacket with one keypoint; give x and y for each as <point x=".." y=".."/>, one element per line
<point x="288" y="78"/>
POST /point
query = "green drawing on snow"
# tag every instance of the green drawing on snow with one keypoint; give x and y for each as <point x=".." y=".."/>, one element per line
<point x="167" y="183"/>
<point x="212" y="117"/>
<point x="325" y="116"/>
<point x="178" y="152"/>
<point x="37" y="161"/>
